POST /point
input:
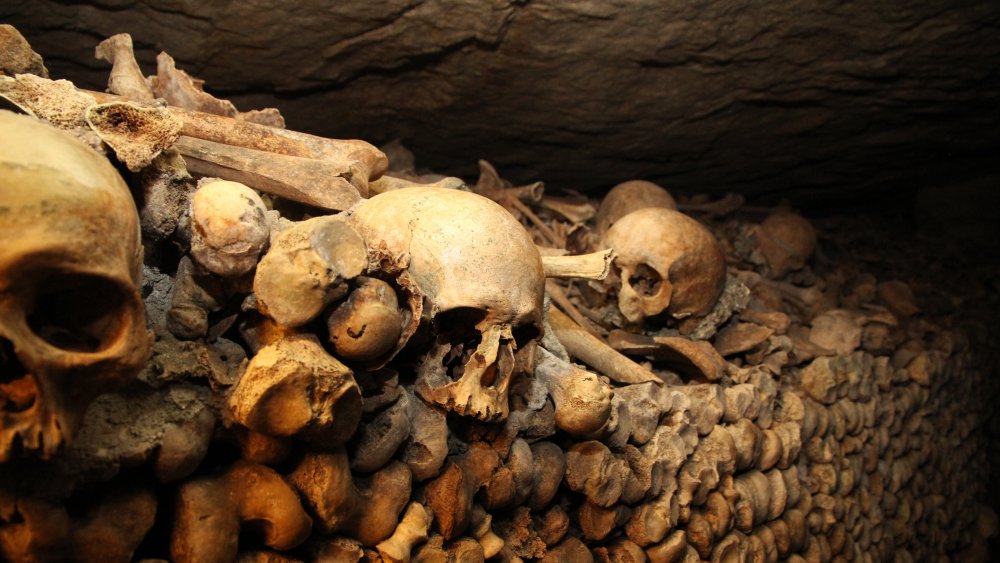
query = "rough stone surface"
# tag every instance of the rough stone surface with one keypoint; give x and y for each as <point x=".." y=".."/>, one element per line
<point x="829" y="99"/>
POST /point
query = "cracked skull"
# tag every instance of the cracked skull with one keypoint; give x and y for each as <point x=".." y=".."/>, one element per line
<point x="475" y="277"/>
<point x="72" y="322"/>
<point x="667" y="262"/>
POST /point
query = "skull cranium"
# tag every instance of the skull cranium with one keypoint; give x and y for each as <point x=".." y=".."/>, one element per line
<point x="481" y="277"/>
<point x="72" y="322"/>
<point x="668" y="263"/>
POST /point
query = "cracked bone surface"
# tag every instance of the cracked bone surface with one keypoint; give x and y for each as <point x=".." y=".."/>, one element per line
<point x="668" y="263"/>
<point x="482" y="277"/>
<point x="229" y="227"/>
<point x="307" y="268"/>
<point x="834" y="404"/>
<point x="72" y="324"/>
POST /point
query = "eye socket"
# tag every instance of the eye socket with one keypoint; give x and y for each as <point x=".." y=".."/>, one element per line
<point x="645" y="280"/>
<point x="78" y="312"/>
<point x="524" y="334"/>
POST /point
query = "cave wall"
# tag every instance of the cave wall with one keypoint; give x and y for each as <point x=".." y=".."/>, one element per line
<point x="826" y="102"/>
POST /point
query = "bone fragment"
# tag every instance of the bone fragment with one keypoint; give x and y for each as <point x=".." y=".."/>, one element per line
<point x="411" y="531"/>
<point x="595" y="352"/>
<point x="136" y="133"/>
<point x="294" y="388"/>
<point x="582" y="401"/>
<point x="368" y="325"/>
<point x="593" y="266"/>
<point x="211" y="510"/>
<point x="307" y="268"/>
<point x="367" y="510"/>
<point x="695" y="359"/>
<point x="126" y="78"/>
<point x="16" y="55"/>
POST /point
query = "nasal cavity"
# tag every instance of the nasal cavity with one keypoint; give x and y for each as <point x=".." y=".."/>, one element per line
<point x="11" y="368"/>
<point x="18" y="389"/>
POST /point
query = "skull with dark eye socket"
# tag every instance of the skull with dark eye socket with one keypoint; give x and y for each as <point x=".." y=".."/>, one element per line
<point x="72" y="323"/>
<point x="666" y="263"/>
<point x="480" y="277"/>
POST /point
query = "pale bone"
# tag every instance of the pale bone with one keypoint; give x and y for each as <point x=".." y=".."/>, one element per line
<point x="630" y="196"/>
<point x="137" y="134"/>
<point x="229" y="227"/>
<point x="81" y="262"/>
<point x="550" y="467"/>
<point x="669" y="263"/>
<point x="582" y="401"/>
<point x="367" y="510"/>
<point x="211" y="510"/>
<point x="180" y="90"/>
<point x="389" y="182"/>
<point x="467" y="257"/>
<point x="481" y="529"/>
<point x="316" y="182"/>
<point x="36" y="530"/>
<point x="696" y="360"/>
<point x="126" y="78"/>
<point x="368" y="324"/>
<point x="57" y="102"/>
<point x="292" y="387"/>
<point x="411" y="531"/>
<point x="595" y="352"/>
<point x="327" y="173"/>
<point x="330" y="173"/>
<point x="786" y="240"/>
<point x="593" y="266"/>
<point x="307" y="268"/>
<point x="591" y="469"/>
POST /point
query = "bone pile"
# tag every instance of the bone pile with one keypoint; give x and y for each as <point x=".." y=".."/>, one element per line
<point x="350" y="359"/>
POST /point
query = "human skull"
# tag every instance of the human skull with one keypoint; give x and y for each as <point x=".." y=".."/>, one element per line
<point x="630" y="196"/>
<point x="481" y="277"/>
<point x="72" y="322"/>
<point x="667" y="262"/>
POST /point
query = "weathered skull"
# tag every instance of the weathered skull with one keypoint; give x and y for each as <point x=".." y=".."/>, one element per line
<point x="481" y="278"/>
<point x="72" y="322"/>
<point x="668" y="262"/>
<point x="627" y="197"/>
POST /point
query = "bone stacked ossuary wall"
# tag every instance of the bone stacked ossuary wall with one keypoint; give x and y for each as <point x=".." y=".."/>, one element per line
<point x="348" y="359"/>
